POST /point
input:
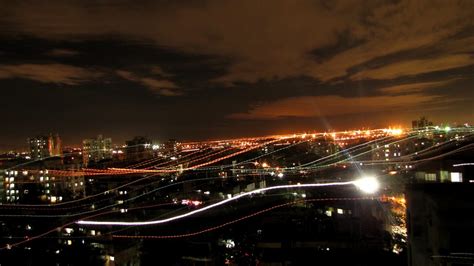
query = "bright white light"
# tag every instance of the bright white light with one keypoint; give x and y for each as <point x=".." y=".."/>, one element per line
<point x="367" y="184"/>
<point x="456" y="177"/>
<point x="229" y="243"/>
<point x="280" y="175"/>
<point x="230" y="198"/>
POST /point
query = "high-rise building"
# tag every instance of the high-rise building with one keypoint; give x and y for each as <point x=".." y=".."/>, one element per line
<point x="172" y="146"/>
<point x="96" y="149"/>
<point x="42" y="146"/>
<point x="25" y="186"/>
<point x="139" y="148"/>
<point x="421" y="123"/>
<point x="54" y="145"/>
<point x="38" y="147"/>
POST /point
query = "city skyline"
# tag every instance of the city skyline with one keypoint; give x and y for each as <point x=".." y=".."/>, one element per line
<point x="421" y="124"/>
<point x="215" y="69"/>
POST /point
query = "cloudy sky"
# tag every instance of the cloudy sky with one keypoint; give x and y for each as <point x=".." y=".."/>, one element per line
<point x="210" y="69"/>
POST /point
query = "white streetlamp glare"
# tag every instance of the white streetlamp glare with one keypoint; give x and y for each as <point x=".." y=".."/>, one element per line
<point x="367" y="184"/>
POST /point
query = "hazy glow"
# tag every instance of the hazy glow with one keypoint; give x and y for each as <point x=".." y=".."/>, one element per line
<point x="394" y="131"/>
<point x="367" y="184"/>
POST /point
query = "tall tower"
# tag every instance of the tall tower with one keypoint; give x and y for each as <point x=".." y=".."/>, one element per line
<point x="54" y="145"/>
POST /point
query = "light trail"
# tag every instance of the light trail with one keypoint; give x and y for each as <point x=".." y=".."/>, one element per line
<point x="365" y="162"/>
<point x="202" y="157"/>
<point x="56" y="206"/>
<point x="382" y="162"/>
<point x="463" y="148"/>
<point x="162" y="221"/>
<point x="351" y="149"/>
<point x="43" y="235"/>
<point x="153" y="160"/>
<point x="60" y="227"/>
<point x="84" y="198"/>
<point x="286" y="169"/>
<point x="428" y="150"/>
<point x="348" y="135"/>
<point x="318" y="166"/>
<point x="236" y="220"/>
<point x="53" y="207"/>
<point x="253" y="159"/>
<point x="463" y="164"/>
<point x="178" y="158"/>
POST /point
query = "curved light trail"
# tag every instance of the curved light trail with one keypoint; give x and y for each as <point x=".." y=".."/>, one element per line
<point x="236" y="220"/>
<point x="162" y="221"/>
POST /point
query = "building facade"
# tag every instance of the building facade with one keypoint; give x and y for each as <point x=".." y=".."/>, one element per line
<point x="96" y="149"/>
<point x="39" y="186"/>
<point x="42" y="146"/>
<point x="139" y="148"/>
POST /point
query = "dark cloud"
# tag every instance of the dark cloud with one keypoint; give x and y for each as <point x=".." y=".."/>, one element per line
<point x="62" y="53"/>
<point x="345" y="41"/>
<point x="119" y="62"/>
<point x="48" y="73"/>
<point x="159" y="86"/>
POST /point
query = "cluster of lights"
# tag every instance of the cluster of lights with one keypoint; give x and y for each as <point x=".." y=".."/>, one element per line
<point x="191" y="202"/>
<point x="394" y="131"/>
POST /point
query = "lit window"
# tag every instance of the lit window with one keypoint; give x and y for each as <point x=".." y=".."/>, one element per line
<point x="430" y="177"/>
<point x="456" y="177"/>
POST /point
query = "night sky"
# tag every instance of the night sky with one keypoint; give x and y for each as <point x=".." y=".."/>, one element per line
<point x="209" y="69"/>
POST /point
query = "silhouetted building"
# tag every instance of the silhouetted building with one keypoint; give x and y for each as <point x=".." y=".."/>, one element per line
<point x="421" y="123"/>
<point x="139" y="148"/>
<point x="96" y="149"/>
<point x="440" y="219"/>
<point x="172" y="146"/>
<point x="72" y="156"/>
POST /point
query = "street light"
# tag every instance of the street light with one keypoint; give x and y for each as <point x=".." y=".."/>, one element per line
<point x="367" y="184"/>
